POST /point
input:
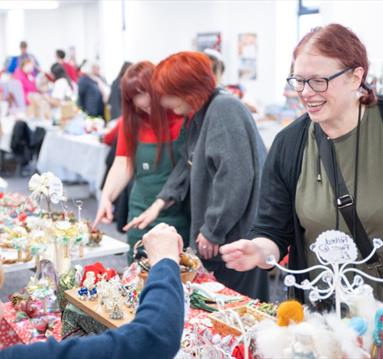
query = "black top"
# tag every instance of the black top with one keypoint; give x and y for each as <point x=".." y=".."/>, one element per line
<point x="276" y="217"/>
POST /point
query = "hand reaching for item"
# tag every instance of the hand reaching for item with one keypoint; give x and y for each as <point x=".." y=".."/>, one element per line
<point x="161" y="242"/>
<point x="146" y="217"/>
<point x="104" y="212"/>
<point x="242" y="255"/>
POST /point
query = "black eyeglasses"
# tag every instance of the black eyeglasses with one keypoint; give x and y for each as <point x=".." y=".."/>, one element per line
<point x="317" y="84"/>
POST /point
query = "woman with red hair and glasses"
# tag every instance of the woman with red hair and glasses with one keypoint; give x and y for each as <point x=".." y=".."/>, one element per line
<point x="325" y="170"/>
<point x="219" y="170"/>
<point x="147" y="149"/>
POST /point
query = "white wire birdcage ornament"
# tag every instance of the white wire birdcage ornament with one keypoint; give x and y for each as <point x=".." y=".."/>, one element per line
<point x="335" y="251"/>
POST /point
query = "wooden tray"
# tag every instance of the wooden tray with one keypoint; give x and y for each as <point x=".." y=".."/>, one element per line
<point x="185" y="276"/>
<point x="223" y="328"/>
<point x="89" y="307"/>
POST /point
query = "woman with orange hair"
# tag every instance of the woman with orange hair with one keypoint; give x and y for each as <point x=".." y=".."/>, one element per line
<point x="147" y="149"/>
<point x="220" y="167"/>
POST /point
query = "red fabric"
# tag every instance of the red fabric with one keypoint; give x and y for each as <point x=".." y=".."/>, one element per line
<point x="239" y="352"/>
<point x="21" y="332"/>
<point x="71" y="71"/>
<point x="146" y="134"/>
<point x="110" y="136"/>
<point x="98" y="270"/>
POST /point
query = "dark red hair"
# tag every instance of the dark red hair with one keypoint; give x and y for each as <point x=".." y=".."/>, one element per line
<point x="138" y="79"/>
<point x="340" y="43"/>
<point x="187" y="75"/>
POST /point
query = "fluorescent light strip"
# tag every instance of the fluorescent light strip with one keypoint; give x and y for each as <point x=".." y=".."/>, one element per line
<point x="29" y="5"/>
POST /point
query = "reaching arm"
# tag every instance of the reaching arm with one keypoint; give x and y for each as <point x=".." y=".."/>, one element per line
<point x="118" y="177"/>
<point x="244" y="255"/>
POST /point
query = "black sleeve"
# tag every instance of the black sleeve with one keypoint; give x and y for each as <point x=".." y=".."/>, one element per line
<point x="274" y="219"/>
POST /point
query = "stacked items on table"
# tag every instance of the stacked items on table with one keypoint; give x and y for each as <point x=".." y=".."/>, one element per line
<point x="27" y="232"/>
<point x="106" y="297"/>
<point x="31" y="315"/>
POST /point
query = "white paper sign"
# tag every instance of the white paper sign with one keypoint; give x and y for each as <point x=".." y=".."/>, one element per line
<point x="335" y="247"/>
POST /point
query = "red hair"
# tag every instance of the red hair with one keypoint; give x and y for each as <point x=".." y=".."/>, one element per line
<point x="138" y="79"/>
<point x="187" y="75"/>
<point x="340" y="43"/>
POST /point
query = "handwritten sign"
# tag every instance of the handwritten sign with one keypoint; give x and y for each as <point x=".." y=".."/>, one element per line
<point x="335" y="247"/>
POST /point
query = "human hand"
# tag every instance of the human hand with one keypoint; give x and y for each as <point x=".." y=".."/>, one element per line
<point x="161" y="242"/>
<point x="242" y="255"/>
<point x="146" y="217"/>
<point x="206" y="248"/>
<point x="104" y="212"/>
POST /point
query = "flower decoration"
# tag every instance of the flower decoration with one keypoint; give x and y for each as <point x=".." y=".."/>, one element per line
<point x="47" y="186"/>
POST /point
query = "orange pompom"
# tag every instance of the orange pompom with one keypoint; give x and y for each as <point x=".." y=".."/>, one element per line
<point x="289" y="312"/>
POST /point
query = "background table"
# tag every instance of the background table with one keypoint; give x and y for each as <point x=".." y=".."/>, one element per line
<point x="74" y="158"/>
<point x="108" y="246"/>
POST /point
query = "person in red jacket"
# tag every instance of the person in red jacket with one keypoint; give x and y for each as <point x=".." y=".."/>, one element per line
<point x="68" y="67"/>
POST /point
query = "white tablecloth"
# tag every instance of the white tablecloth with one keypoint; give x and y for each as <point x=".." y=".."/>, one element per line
<point x="74" y="158"/>
<point x="108" y="246"/>
<point x="7" y="124"/>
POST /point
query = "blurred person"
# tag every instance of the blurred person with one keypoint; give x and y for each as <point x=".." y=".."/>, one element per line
<point x="218" y="66"/>
<point x="68" y="67"/>
<point x="25" y="55"/>
<point x="92" y="92"/>
<point x="115" y="94"/>
<point x="24" y="74"/>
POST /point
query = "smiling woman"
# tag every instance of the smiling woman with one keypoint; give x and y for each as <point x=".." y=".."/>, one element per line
<point x="343" y="131"/>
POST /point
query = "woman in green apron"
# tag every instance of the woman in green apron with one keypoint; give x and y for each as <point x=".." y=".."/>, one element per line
<point x="148" y="146"/>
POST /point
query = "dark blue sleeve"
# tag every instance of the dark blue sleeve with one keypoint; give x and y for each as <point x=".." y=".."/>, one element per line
<point x="154" y="333"/>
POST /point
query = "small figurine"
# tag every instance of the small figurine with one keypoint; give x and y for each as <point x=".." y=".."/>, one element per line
<point x="88" y="291"/>
<point x="83" y="293"/>
<point x="116" y="313"/>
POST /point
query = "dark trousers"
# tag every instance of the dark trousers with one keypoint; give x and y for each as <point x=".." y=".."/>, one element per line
<point x="253" y="283"/>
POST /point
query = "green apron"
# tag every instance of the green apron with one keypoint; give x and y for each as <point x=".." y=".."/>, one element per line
<point x="149" y="179"/>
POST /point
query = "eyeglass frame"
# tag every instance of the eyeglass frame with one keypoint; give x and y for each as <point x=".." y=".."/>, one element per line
<point x="328" y="79"/>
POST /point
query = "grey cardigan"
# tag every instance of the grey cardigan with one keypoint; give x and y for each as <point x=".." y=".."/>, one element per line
<point x="221" y="166"/>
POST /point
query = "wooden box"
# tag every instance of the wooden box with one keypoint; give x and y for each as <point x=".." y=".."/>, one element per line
<point x="224" y="328"/>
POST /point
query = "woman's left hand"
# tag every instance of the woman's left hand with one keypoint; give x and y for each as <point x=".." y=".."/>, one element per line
<point x="206" y="249"/>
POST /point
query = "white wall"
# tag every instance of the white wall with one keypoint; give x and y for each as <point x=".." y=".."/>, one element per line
<point x="71" y="25"/>
<point x="2" y="38"/>
<point x="156" y="29"/>
<point x="363" y="17"/>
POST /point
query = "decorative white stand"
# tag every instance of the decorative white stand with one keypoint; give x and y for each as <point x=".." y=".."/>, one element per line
<point x="335" y="251"/>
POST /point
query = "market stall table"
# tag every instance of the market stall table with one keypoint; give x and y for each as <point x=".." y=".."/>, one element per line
<point x="198" y="320"/>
